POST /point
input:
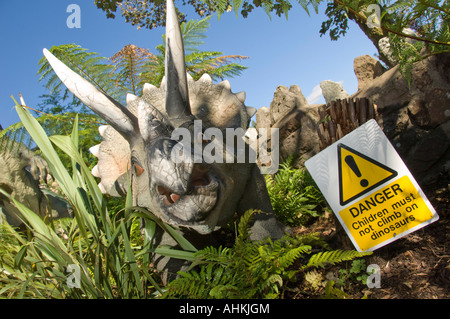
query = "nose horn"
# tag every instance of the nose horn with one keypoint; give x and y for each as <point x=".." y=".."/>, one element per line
<point x="177" y="94"/>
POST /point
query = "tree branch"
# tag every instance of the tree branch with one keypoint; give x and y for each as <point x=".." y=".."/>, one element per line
<point x="364" y="19"/>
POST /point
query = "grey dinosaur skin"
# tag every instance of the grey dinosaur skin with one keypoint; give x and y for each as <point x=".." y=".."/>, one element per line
<point x="198" y="198"/>
<point x="20" y="173"/>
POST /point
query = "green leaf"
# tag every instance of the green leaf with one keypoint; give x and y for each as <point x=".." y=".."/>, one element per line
<point x="40" y="138"/>
<point x="130" y="258"/>
<point x="144" y="213"/>
<point x="18" y="259"/>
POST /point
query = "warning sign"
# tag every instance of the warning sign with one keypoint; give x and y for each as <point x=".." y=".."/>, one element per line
<point x="359" y="174"/>
<point x="385" y="214"/>
<point x="370" y="189"/>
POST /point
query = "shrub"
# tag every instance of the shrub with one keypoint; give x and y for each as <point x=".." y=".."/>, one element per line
<point x="295" y="198"/>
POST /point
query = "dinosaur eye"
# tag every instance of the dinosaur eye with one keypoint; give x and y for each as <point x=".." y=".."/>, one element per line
<point x="138" y="169"/>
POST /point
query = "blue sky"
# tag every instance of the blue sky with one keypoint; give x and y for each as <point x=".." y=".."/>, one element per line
<point x="280" y="51"/>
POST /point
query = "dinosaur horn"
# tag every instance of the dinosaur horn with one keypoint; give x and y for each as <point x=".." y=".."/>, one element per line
<point x="177" y="95"/>
<point x="122" y="120"/>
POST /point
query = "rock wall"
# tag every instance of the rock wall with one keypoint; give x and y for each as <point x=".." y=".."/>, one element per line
<point x="415" y="117"/>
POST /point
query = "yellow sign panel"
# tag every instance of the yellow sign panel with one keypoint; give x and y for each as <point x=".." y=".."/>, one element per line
<point x="359" y="174"/>
<point x="385" y="214"/>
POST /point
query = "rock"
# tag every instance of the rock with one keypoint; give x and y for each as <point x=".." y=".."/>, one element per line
<point x="285" y="100"/>
<point x="384" y="45"/>
<point x="263" y="117"/>
<point x="366" y="69"/>
<point x="298" y="134"/>
<point x="416" y="118"/>
<point x="296" y="120"/>
<point x="332" y="91"/>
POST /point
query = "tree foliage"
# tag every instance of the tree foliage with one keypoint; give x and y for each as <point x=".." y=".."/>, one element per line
<point x="415" y="28"/>
<point x="428" y="19"/>
<point x="131" y="67"/>
<point x="151" y="13"/>
<point x="147" y="13"/>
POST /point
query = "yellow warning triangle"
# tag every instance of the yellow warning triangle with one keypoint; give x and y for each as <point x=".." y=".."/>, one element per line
<point x="359" y="174"/>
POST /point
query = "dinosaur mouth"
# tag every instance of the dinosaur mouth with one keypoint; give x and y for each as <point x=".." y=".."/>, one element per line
<point x="194" y="205"/>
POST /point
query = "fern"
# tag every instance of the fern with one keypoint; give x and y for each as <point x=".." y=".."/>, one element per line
<point x="87" y="64"/>
<point x="251" y="269"/>
<point x="198" y="62"/>
<point x="216" y="65"/>
<point x="128" y="65"/>
<point x="248" y="270"/>
<point x="333" y="257"/>
<point x="294" y="196"/>
<point x="332" y="292"/>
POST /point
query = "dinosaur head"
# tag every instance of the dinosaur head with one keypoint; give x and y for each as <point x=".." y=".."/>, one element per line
<point x="157" y="139"/>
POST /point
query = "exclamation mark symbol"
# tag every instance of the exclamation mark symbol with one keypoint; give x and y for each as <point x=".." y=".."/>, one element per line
<point x="352" y="164"/>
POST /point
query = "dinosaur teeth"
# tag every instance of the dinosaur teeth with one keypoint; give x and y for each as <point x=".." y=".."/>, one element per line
<point x="169" y="197"/>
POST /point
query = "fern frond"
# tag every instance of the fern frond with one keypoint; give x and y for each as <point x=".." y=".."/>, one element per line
<point x="193" y="32"/>
<point x="332" y="292"/>
<point x="244" y="223"/>
<point x="129" y="65"/>
<point x="294" y="196"/>
<point x="87" y="64"/>
<point x="333" y="257"/>
<point x="289" y="257"/>
<point x="224" y="292"/>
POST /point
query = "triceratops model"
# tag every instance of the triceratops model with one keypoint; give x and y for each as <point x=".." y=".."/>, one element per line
<point x="20" y="174"/>
<point x="196" y="196"/>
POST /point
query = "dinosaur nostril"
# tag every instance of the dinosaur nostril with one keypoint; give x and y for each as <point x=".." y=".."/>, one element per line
<point x="200" y="176"/>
